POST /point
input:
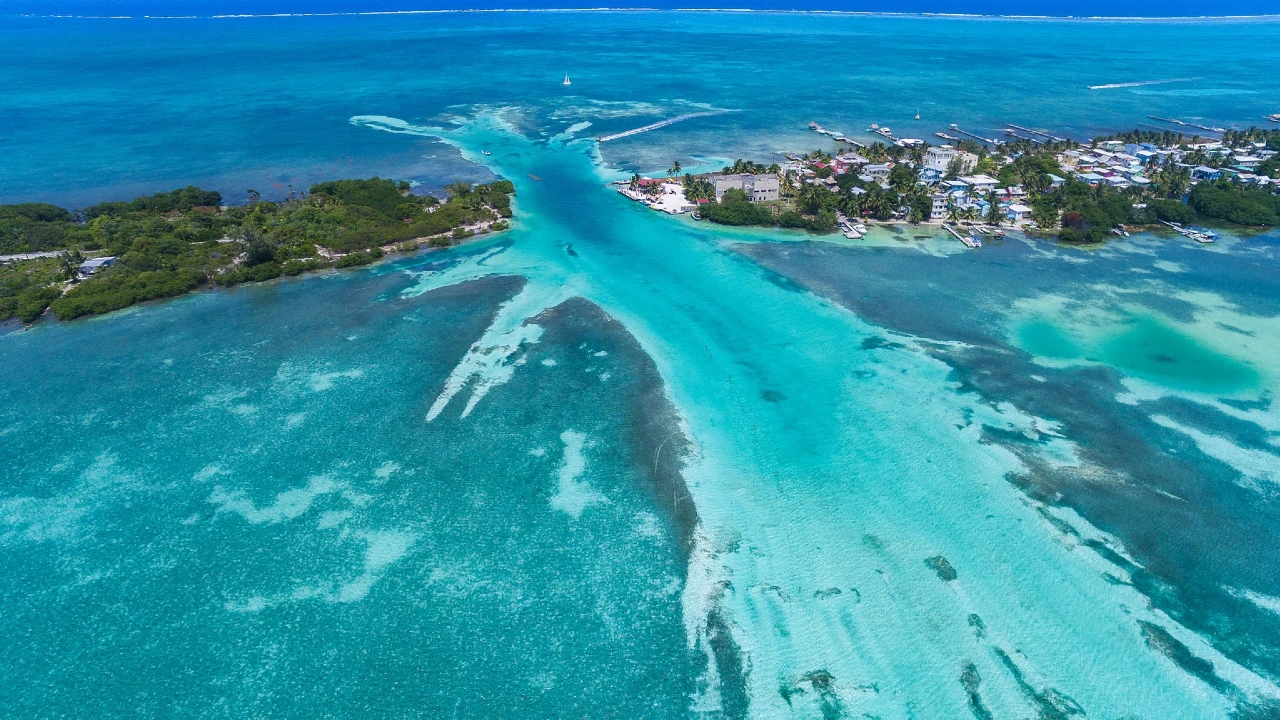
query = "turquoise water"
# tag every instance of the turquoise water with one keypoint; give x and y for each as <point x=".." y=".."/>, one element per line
<point x="611" y="464"/>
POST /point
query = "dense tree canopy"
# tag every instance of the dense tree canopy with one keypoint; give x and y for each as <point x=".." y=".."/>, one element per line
<point x="170" y="243"/>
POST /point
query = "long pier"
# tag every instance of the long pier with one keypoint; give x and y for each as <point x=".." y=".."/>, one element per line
<point x="1009" y="131"/>
<point x="1054" y="138"/>
<point x="655" y="126"/>
<point x="969" y="240"/>
<point x="837" y="136"/>
<point x="989" y="141"/>
<point x="1187" y="124"/>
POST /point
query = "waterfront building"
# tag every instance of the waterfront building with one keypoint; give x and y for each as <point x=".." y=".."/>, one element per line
<point x="1018" y="214"/>
<point x="759" y="188"/>
<point x="939" y="209"/>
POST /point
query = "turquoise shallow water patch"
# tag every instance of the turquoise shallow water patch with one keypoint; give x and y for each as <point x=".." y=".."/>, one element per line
<point x="1156" y="352"/>
<point x="1143" y="347"/>
<point x="1047" y="340"/>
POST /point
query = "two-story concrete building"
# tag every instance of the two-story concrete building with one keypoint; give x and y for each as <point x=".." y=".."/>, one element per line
<point x="759" y="188"/>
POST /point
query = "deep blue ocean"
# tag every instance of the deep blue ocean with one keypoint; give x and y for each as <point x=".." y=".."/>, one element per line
<point x="612" y="463"/>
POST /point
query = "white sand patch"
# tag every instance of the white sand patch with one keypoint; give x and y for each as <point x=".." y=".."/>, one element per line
<point x="1169" y="266"/>
<point x="1257" y="466"/>
<point x="60" y="517"/>
<point x="319" y="382"/>
<point x="386" y="470"/>
<point x="489" y="361"/>
<point x="1266" y="602"/>
<point x="293" y="420"/>
<point x="385" y="547"/>
<point x="392" y="125"/>
<point x="208" y="472"/>
<point x="287" y="505"/>
<point x="549" y="362"/>
<point x="573" y="496"/>
<point x="333" y="518"/>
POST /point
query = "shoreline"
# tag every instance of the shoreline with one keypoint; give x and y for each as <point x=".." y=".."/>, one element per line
<point x="391" y="253"/>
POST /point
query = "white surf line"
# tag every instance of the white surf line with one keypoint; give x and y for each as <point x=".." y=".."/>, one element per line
<point x="660" y="124"/>
<point x="1112" y="86"/>
<point x="393" y="125"/>
<point x="489" y="359"/>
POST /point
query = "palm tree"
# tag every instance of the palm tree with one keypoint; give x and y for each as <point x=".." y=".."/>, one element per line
<point x="635" y="181"/>
<point x="70" y="263"/>
<point x="675" y="168"/>
<point x="810" y="199"/>
<point x="994" y="216"/>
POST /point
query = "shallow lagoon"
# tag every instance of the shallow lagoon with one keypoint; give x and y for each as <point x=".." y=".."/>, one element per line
<point x="615" y="464"/>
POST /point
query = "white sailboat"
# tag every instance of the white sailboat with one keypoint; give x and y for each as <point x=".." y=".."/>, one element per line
<point x="566" y="80"/>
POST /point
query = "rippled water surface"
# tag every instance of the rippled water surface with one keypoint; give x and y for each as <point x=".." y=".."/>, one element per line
<point x="616" y="464"/>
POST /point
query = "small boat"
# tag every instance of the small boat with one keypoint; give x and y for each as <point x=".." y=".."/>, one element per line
<point x="566" y="80"/>
<point x="485" y="152"/>
<point x="917" y="114"/>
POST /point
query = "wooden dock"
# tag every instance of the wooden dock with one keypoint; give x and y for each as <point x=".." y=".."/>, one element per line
<point x="655" y="126"/>
<point x="1054" y="138"/>
<point x="1184" y="123"/>
<point x="969" y="240"/>
<point x="990" y="141"/>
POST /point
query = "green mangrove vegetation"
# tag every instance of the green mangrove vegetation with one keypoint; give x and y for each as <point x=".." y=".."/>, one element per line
<point x="171" y="243"/>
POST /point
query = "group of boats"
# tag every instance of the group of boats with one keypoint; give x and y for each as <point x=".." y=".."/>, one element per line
<point x="851" y="229"/>
<point x="970" y="235"/>
<point x="1200" y="235"/>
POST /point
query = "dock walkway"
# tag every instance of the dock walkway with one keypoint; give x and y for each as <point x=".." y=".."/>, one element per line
<point x="655" y="126"/>
<point x="969" y="240"/>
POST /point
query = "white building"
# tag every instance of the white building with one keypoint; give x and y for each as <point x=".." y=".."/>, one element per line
<point x="940" y="158"/>
<point x="878" y="173"/>
<point x="982" y="184"/>
<point x="759" y="188"/>
<point x="1019" y="213"/>
<point x="939" y="209"/>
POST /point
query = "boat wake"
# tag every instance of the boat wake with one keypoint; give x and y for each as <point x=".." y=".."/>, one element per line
<point x="1112" y="86"/>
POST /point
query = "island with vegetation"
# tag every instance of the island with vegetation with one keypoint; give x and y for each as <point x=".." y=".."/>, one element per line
<point x="114" y="254"/>
<point x="1079" y="193"/>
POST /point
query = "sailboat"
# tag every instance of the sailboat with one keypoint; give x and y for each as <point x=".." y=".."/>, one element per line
<point x="917" y="114"/>
<point x="566" y="80"/>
